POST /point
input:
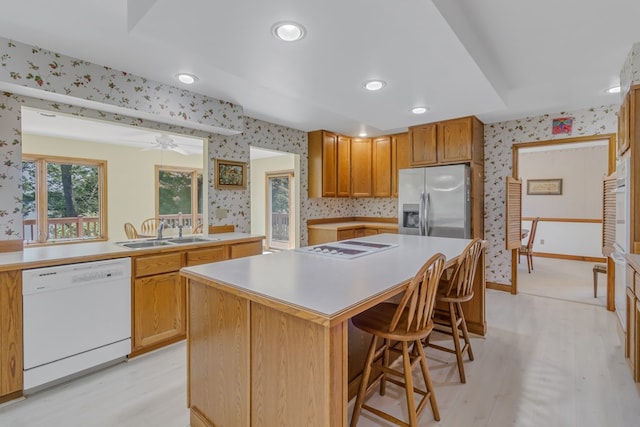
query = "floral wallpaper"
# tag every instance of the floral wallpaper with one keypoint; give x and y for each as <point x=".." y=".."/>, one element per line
<point x="11" y="158"/>
<point x="499" y="138"/>
<point x="630" y="73"/>
<point x="41" y="69"/>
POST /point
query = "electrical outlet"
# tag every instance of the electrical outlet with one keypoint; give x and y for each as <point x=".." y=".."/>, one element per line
<point x="542" y="241"/>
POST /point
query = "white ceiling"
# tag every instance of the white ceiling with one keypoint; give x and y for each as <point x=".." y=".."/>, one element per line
<point x="497" y="59"/>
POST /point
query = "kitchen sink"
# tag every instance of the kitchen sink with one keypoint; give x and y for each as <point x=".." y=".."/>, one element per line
<point x="145" y="244"/>
<point x="190" y="239"/>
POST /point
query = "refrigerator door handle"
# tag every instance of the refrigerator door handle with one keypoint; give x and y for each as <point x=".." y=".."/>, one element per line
<point x="421" y="225"/>
<point x="426" y="213"/>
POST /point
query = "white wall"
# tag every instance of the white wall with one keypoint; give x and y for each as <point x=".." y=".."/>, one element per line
<point x="259" y="168"/>
<point x="130" y="175"/>
<point x="581" y="170"/>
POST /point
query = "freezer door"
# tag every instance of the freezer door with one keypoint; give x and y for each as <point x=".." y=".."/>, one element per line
<point x="411" y="188"/>
<point x="448" y="201"/>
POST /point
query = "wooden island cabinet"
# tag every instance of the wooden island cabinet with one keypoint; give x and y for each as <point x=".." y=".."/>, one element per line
<point x="11" y="355"/>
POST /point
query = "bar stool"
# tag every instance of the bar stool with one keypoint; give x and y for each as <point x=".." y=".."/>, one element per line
<point x="408" y="322"/>
<point x="597" y="268"/>
<point x="455" y="290"/>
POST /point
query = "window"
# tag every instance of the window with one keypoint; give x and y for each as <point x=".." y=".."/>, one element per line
<point x="179" y="196"/>
<point x="63" y="199"/>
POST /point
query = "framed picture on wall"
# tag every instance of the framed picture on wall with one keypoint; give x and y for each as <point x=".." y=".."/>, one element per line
<point x="544" y="187"/>
<point x="230" y="175"/>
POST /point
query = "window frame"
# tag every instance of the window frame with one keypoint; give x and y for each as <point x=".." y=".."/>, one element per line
<point x="194" y="189"/>
<point x="42" y="219"/>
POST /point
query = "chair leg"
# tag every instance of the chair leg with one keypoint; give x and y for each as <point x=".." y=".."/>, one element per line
<point x="465" y="331"/>
<point x="385" y="363"/>
<point x="428" y="383"/>
<point x="408" y="381"/>
<point x="364" y="381"/>
<point x="529" y="266"/>
<point x="456" y="341"/>
<point x="595" y="284"/>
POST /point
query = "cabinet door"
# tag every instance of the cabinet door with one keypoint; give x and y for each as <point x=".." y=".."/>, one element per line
<point x="159" y="310"/>
<point x="400" y="158"/>
<point x="382" y="166"/>
<point x="623" y="126"/>
<point x="344" y="166"/>
<point x="422" y="140"/>
<point x="361" y="160"/>
<point x="240" y="250"/>
<point x="204" y="256"/>
<point x="329" y="164"/>
<point x="370" y="231"/>
<point x="11" y="355"/>
<point x="349" y="233"/>
<point x="454" y="140"/>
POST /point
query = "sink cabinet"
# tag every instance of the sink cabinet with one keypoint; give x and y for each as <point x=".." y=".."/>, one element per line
<point x="159" y="292"/>
<point x="10" y="335"/>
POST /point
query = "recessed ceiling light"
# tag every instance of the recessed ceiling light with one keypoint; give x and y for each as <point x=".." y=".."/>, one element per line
<point x="419" y="110"/>
<point x="374" y="85"/>
<point x="288" y="31"/>
<point x="362" y="134"/>
<point x="187" y="78"/>
<point x="613" y="89"/>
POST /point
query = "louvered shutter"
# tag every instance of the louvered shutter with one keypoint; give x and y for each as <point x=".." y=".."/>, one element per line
<point x="608" y="214"/>
<point x="514" y="213"/>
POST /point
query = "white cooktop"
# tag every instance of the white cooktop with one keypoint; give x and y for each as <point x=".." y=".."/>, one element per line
<point x="346" y="249"/>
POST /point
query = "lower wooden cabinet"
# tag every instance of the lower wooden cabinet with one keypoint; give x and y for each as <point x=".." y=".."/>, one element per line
<point x="632" y="338"/>
<point x="326" y="234"/>
<point x="159" y="310"/>
<point x="11" y="355"/>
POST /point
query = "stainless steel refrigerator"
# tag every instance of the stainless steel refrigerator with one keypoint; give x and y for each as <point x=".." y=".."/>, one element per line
<point x="435" y="201"/>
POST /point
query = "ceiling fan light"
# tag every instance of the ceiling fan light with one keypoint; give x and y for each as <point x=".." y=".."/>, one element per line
<point x="186" y="78"/>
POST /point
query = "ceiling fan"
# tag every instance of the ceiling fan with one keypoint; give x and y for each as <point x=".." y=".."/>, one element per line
<point x="165" y="142"/>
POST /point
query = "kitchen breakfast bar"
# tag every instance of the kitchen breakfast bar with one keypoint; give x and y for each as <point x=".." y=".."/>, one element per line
<point x="268" y="335"/>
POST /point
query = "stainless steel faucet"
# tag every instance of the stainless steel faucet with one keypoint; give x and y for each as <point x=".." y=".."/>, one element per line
<point x="160" y="228"/>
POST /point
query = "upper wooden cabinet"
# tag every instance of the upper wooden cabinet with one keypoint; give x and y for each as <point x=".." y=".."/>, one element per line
<point x="451" y="141"/>
<point x="400" y="158"/>
<point x="361" y="167"/>
<point x="624" y="126"/>
<point x="343" y="166"/>
<point x="381" y="173"/>
<point x="329" y="164"/>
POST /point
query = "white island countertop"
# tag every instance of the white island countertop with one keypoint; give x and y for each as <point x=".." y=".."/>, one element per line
<point x="326" y="287"/>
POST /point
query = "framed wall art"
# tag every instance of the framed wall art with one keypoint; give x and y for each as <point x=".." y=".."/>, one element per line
<point x="544" y="187"/>
<point x="230" y="175"/>
<point x="562" y="125"/>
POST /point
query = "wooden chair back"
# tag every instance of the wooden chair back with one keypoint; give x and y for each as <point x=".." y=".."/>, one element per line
<point x="149" y="226"/>
<point x="130" y="231"/>
<point x="197" y="229"/>
<point x="213" y="229"/>
<point x="532" y="234"/>
<point x="460" y="284"/>
<point x="419" y="298"/>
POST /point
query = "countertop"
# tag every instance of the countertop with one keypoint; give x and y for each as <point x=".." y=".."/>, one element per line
<point x="326" y="286"/>
<point x="52" y="255"/>
<point x="353" y="224"/>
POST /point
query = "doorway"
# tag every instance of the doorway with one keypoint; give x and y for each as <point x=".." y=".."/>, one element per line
<point x="279" y="207"/>
<point x="275" y="197"/>
<point x="568" y="238"/>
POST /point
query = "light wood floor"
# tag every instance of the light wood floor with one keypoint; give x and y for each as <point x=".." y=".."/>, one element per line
<point x="562" y="279"/>
<point x="544" y="362"/>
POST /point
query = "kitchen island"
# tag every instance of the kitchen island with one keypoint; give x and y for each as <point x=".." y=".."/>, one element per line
<point x="268" y="335"/>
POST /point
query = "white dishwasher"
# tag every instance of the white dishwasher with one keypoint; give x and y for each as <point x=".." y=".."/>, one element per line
<point x="75" y="317"/>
